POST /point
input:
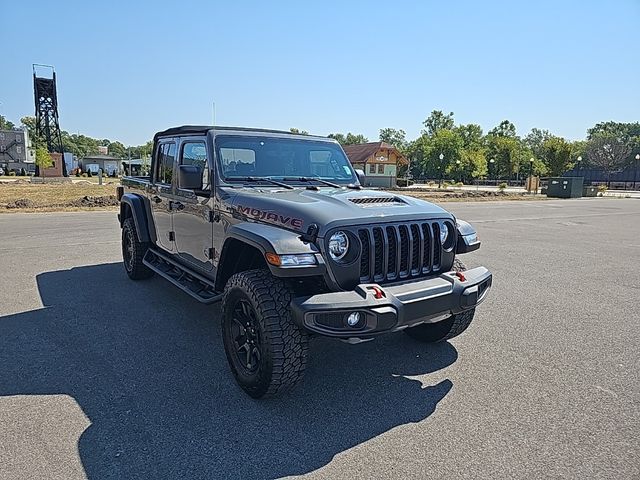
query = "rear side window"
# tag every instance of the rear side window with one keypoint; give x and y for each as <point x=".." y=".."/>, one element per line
<point x="166" y="158"/>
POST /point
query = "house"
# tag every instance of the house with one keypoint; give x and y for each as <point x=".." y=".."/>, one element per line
<point x="16" y="151"/>
<point x="108" y="164"/>
<point x="378" y="160"/>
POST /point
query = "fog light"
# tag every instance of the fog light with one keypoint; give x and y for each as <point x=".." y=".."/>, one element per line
<point x="354" y="319"/>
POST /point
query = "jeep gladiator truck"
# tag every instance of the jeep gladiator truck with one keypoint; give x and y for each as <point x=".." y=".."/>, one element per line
<point x="277" y="227"/>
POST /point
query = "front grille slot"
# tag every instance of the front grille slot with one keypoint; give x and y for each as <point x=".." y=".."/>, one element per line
<point x="394" y="252"/>
<point x="364" y="259"/>
<point x="378" y="273"/>
<point x="437" y="247"/>
<point x="404" y="250"/>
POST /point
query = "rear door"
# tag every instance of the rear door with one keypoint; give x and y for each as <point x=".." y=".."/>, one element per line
<point x="161" y="192"/>
<point x="192" y="208"/>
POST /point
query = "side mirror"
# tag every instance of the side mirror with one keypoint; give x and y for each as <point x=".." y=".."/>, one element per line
<point x="190" y="177"/>
<point x="360" y="175"/>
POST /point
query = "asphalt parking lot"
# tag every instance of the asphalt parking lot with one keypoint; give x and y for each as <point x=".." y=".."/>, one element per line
<point x="106" y="378"/>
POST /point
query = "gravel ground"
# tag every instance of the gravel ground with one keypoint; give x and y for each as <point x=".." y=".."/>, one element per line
<point x="101" y="377"/>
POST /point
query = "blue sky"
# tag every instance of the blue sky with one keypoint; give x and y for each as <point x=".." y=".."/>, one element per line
<point x="128" y="69"/>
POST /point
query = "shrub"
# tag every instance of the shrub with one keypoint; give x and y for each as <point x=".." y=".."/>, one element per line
<point x="602" y="188"/>
<point x="89" y="173"/>
<point x="23" y="172"/>
<point x="459" y="184"/>
<point x="12" y="173"/>
<point x="77" y="173"/>
<point x="84" y="175"/>
<point x="502" y="186"/>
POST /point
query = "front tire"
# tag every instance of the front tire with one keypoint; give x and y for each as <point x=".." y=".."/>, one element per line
<point x="266" y="350"/>
<point x="133" y="251"/>
<point x="445" y="329"/>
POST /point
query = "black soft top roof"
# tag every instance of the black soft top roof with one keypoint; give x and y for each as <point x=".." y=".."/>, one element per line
<point x="203" y="129"/>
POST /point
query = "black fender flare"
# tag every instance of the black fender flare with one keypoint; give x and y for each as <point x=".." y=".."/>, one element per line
<point x="270" y="239"/>
<point x="467" y="237"/>
<point x="139" y="208"/>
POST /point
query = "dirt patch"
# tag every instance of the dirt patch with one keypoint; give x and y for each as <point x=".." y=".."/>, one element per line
<point x="21" y="203"/>
<point x="87" y="201"/>
<point x="466" y="195"/>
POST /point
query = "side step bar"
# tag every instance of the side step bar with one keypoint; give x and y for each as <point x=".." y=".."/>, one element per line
<point x="199" y="287"/>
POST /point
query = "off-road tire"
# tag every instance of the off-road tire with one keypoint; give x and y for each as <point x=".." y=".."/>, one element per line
<point x="444" y="329"/>
<point x="283" y="345"/>
<point x="133" y="252"/>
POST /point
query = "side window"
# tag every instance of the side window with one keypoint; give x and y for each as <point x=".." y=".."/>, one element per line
<point x="164" y="163"/>
<point x="195" y="153"/>
<point x="381" y="168"/>
<point x="372" y="168"/>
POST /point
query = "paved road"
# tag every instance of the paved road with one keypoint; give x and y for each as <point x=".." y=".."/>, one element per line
<point x="105" y="378"/>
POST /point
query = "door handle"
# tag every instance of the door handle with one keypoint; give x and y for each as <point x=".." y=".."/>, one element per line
<point x="156" y="199"/>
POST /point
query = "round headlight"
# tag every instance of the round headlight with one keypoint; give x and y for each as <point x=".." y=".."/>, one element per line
<point x="444" y="233"/>
<point x="338" y="245"/>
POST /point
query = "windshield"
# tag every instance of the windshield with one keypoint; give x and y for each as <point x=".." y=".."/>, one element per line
<point x="286" y="159"/>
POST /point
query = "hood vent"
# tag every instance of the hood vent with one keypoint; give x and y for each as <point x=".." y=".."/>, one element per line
<point x="369" y="201"/>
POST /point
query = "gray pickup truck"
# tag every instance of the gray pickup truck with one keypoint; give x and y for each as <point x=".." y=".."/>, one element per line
<point x="278" y="227"/>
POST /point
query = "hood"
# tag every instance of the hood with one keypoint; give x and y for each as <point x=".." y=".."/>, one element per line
<point x="328" y="207"/>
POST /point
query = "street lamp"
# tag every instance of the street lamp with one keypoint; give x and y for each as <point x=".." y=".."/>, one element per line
<point x="492" y="168"/>
<point x="441" y="168"/>
<point x="635" y="175"/>
<point x="530" y="180"/>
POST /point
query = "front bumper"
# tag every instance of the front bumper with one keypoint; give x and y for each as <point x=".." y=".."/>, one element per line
<point x="394" y="307"/>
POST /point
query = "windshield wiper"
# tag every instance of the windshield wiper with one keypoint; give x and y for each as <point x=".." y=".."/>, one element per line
<point x="261" y="179"/>
<point x="312" y="179"/>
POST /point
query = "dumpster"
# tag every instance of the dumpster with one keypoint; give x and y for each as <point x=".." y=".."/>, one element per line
<point x="590" y="191"/>
<point x="565" y="187"/>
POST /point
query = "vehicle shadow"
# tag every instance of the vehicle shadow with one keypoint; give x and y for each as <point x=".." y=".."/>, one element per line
<point x="146" y="365"/>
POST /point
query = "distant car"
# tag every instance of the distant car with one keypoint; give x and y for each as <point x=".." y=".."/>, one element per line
<point x="277" y="226"/>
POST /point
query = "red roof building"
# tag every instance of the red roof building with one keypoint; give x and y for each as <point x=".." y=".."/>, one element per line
<point x="378" y="160"/>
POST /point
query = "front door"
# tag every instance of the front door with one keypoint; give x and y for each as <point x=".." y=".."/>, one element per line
<point x="192" y="208"/>
<point x="161" y="194"/>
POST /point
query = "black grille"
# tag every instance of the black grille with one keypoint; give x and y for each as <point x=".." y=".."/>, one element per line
<point x="330" y="320"/>
<point x="399" y="251"/>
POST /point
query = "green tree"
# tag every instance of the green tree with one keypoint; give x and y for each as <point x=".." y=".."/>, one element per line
<point x="6" y="124"/>
<point x="534" y="140"/>
<point x="506" y="153"/>
<point x="301" y="132"/>
<point x="43" y="159"/>
<point x="447" y="143"/>
<point x="397" y="138"/>
<point x="607" y="152"/>
<point x="117" y="150"/>
<point x="471" y="134"/>
<point x="505" y="129"/>
<point x="556" y="155"/>
<point x="438" y="121"/>
<point x="627" y="133"/>
<point x="349" y="138"/>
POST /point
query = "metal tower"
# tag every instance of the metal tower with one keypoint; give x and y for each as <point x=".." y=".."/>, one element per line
<point x="46" y="102"/>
